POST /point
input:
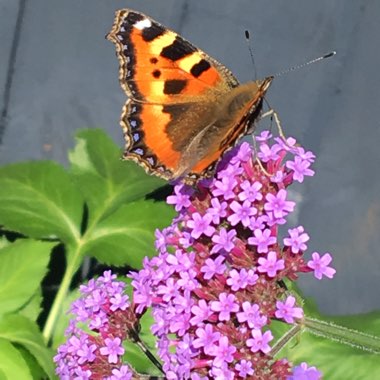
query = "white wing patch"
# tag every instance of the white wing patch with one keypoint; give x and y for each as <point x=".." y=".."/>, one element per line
<point x="140" y="25"/>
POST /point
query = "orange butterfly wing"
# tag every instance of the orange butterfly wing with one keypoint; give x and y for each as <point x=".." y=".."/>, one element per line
<point x="159" y="66"/>
<point x="174" y="92"/>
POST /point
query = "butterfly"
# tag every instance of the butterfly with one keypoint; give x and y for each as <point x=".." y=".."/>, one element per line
<point x="184" y="108"/>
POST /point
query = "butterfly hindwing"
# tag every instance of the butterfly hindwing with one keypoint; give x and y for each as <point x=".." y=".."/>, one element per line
<point x="161" y="148"/>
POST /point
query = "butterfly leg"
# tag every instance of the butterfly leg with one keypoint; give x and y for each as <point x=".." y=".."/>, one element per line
<point x="274" y="114"/>
<point x="258" y="159"/>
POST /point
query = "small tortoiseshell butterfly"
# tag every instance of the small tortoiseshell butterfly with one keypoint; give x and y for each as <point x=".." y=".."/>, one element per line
<point x="184" y="108"/>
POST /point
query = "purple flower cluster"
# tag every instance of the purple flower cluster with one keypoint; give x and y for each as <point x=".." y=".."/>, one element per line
<point x="97" y="352"/>
<point x="218" y="280"/>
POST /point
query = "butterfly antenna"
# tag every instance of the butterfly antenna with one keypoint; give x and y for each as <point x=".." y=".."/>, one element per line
<point x="315" y="60"/>
<point x="248" y="39"/>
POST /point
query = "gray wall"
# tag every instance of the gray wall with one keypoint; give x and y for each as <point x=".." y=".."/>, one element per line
<point x="58" y="73"/>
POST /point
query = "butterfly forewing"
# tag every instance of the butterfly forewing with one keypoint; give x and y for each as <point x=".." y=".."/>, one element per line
<point x="159" y="66"/>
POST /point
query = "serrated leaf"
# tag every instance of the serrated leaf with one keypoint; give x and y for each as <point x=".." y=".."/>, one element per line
<point x="38" y="199"/>
<point x="21" y="330"/>
<point x="23" y="266"/>
<point x="127" y="236"/>
<point x="105" y="180"/>
<point x="12" y="364"/>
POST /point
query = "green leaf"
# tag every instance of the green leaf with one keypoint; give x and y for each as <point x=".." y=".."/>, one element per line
<point x="138" y="360"/>
<point x="127" y="236"/>
<point x="21" y="330"/>
<point x="34" y="367"/>
<point x="105" y="180"/>
<point x="12" y="364"/>
<point x="4" y="242"/>
<point x="33" y="308"/>
<point x="23" y="266"/>
<point x="335" y="360"/>
<point x="38" y="199"/>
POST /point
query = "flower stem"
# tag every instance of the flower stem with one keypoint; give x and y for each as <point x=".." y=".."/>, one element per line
<point x="343" y="335"/>
<point x="150" y="356"/>
<point x="282" y="342"/>
<point x="73" y="261"/>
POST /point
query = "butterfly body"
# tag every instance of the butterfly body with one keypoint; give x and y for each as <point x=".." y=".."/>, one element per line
<point x="185" y="109"/>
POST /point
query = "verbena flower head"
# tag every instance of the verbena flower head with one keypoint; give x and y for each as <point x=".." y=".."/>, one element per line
<point x="96" y="352"/>
<point x="218" y="279"/>
<point x="216" y="284"/>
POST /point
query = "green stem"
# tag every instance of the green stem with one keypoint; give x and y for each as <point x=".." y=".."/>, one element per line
<point x="331" y="331"/>
<point x="343" y="335"/>
<point x="73" y="261"/>
<point x="287" y="337"/>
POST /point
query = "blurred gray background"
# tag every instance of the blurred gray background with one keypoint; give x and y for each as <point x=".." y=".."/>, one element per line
<point x="58" y="74"/>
